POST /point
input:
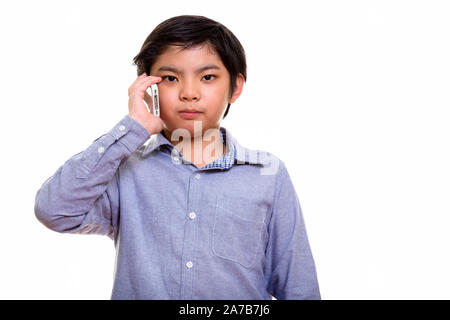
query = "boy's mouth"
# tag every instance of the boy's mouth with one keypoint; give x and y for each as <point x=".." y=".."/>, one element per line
<point x="189" y="113"/>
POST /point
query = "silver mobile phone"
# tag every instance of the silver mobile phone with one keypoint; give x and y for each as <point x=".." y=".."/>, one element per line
<point x="153" y="92"/>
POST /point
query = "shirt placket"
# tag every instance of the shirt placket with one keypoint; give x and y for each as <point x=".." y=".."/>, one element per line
<point x="189" y="263"/>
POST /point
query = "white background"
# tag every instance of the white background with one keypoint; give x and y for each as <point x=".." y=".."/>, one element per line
<point x="352" y="95"/>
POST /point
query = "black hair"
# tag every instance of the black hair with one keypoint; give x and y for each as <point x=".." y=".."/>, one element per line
<point x="192" y="30"/>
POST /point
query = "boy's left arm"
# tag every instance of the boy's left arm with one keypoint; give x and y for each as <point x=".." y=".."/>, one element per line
<point x="290" y="267"/>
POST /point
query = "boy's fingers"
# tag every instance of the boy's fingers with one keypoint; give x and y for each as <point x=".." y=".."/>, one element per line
<point x="143" y="85"/>
<point x="155" y="78"/>
<point x="146" y="80"/>
<point x="143" y="81"/>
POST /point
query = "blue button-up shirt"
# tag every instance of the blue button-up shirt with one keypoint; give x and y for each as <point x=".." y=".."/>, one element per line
<point x="230" y="230"/>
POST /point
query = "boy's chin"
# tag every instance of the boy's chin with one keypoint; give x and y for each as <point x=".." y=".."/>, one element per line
<point x="192" y="129"/>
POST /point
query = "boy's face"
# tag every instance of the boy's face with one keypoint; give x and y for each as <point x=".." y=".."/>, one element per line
<point x="193" y="78"/>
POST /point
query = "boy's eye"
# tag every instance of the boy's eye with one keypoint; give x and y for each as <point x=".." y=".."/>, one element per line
<point x="209" y="77"/>
<point x="169" y="78"/>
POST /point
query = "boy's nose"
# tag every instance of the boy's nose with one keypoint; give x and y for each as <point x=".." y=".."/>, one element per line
<point x="190" y="98"/>
<point x="189" y="93"/>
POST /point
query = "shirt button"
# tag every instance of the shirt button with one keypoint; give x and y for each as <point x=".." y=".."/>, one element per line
<point x="189" y="264"/>
<point x="197" y="176"/>
<point x="192" y="215"/>
<point x="101" y="150"/>
<point x="122" y="127"/>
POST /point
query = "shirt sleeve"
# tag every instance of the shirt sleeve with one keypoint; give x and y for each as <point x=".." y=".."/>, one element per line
<point x="290" y="265"/>
<point x="83" y="195"/>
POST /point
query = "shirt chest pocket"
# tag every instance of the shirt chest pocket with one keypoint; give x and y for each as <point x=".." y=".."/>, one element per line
<point x="237" y="231"/>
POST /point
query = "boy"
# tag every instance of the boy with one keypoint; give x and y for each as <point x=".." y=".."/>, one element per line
<point x="214" y="221"/>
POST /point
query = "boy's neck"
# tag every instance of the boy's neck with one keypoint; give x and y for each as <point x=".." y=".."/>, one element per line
<point x="200" y="150"/>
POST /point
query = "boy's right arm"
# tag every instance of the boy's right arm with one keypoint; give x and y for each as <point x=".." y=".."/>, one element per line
<point x="82" y="196"/>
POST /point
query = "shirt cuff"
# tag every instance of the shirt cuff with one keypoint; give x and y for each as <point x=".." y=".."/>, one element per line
<point x="130" y="133"/>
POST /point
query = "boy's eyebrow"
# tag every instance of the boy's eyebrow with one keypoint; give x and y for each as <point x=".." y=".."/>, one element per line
<point x="199" y="70"/>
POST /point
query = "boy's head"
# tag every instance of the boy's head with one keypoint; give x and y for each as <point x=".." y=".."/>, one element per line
<point x="175" y="50"/>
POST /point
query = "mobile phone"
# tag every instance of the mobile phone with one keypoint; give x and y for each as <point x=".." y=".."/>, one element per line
<point x="153" y="92"/>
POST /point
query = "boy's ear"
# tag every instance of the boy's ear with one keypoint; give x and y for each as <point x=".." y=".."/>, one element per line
<point x="238" y="89"/>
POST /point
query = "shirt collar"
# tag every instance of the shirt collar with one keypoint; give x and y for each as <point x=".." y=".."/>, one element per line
<point x="242" y="155"/>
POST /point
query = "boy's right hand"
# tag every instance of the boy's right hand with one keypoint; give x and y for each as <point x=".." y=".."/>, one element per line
<point x="136" y="107"/>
